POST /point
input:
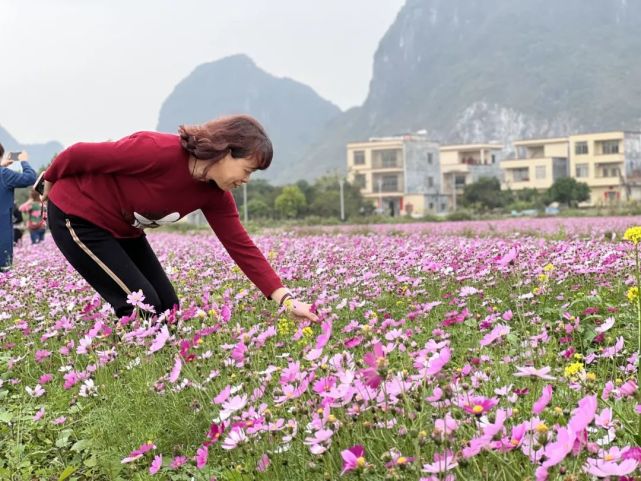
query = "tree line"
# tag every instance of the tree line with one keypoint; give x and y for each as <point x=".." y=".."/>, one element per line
<point x="486" y="194"/>
<point x="302" y="199"/>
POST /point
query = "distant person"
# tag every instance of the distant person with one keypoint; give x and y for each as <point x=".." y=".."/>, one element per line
<point x="101" y="197"/>
<point x="9" y="180"/>
<point x="36" y="218"/>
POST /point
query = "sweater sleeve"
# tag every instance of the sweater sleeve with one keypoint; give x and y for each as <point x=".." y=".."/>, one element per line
<point x="225" y="221"/>
<point x="132" y="155"/>
<point x="13" y="179"/>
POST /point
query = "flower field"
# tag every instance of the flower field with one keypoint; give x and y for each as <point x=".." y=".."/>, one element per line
<point x="503" y="351"/>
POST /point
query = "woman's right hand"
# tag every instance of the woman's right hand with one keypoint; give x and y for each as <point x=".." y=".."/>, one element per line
<point x="45" y="195"/>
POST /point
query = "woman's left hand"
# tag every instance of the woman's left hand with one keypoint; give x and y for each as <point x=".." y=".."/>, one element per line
<point x="300" y="309"/>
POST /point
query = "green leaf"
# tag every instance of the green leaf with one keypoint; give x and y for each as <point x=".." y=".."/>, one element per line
<point x="69" y="470"/>
<point x="81" y="445"/>
<point x="91" y="462"/>
<point x="5" y="416"/>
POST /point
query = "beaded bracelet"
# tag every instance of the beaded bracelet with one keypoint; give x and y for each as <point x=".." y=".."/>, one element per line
<point x="286" y="296"/>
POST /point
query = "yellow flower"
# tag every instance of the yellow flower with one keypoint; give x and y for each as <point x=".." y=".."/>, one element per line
<point x="590" y="376"/>
<point x="633" y="294"/>
<point x="308" y="332"/>
<point x="541" y="428"/>
<point x="285" y="326"/>
<point x="548" y="268"/>
<point x="578" y="355"/>
<point x="289" y="304"/>
<point x="573" y="369"/>
<point x="633" y="234"/>
<point x="543" y="277"/>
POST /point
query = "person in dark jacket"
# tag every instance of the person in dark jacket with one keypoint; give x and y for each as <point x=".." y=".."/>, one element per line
<point x="9" y="180"/>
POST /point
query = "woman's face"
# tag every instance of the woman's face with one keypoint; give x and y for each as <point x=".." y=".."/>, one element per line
<point x="229" y="173"/>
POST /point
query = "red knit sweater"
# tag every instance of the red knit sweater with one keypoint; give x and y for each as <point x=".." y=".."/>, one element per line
<point x="144" y="181"/>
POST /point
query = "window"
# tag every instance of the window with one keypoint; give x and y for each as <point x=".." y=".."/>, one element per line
<point x="430" y="158"/>
<point x="359" y="157"/>
<point x="581" y="170"/>
<point x="390" y="183"/>
<point x="360" y="181"/>
<point x="494" y="158"/>
<point x="388" y="158"/>
<point x="611" y="172"/>
<point x="431" y="205"/>
<point x="610" y="147"/>
<point x="430" y="181"/>
<point x="459" y="180"/>
<point x="521" y="175"/>
<point x="581" y="148"/>
<point x="540" y="172"/>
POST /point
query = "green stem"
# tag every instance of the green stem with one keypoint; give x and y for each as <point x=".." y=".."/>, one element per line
<point x="638" y="277"/>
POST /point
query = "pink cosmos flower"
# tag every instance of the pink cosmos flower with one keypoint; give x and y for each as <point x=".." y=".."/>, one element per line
<point x="628" y="388"/>
<point x="446" y="426"/>
<point x="376" y="361"/>
<point x="39" y="415"/>
<point x="160" y="340"/>
<point x="583" y="415"/>
<point x="175" y="371"/>
<point x="398" y="460"/>
<point x="319" y="442"/>
<point x="178" y="461"/>
<point x="442" y="462"/>
<point x="138" y="453"/>
<point x="632" y="453"/>
<point x="201" y="456"/>
<point x="234" y="438"/>
<point x="533" y="372"/>
<point x="353" y="458"/>
<point x="215" y="432"/>
<point x="608" y="464"/>
<point x="477" y="405"/>
<point x="498" y="332"/>
<point x="156" y="464"/>
<point x="41" y="355"/>
<point x="59" y="421"/>
<point x="36" y="392"/>
<point x="45" y="378"/>
<point x="543" y="401"/>
<point x="263" y="463"/>
<point x="556" y="451"/>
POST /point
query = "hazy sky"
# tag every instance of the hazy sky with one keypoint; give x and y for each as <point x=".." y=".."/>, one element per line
<point x="75" y="70"/>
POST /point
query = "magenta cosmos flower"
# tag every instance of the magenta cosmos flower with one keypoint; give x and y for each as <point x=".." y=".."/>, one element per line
<point x="353" y="458"/>
<point x="375" y="361"/>
<point x="478" y="405"/>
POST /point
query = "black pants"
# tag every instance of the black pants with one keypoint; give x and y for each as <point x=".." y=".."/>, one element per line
<point x="113" y="267"/>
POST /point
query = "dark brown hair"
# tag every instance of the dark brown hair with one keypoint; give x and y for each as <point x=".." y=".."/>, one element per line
<point x="240" y="135"/>
<point x="1" y="150"/>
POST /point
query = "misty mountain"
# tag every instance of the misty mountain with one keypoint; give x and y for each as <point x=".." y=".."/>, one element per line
<point x="39" y="154"/>
<point x="292" y="113"/>
<point x="476" y="71"/>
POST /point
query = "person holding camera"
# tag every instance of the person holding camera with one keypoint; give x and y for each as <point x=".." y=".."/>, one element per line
<point x="102" y="196"/>
<point x="11" y="179"/>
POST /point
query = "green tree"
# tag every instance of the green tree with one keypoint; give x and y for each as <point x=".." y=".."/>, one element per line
<point x="326" y="199"/>
<point x="258" y="208"/>
<point x="485" y="193"/>
<point x="291" y="202"/>
<point x="567" y="190"/>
